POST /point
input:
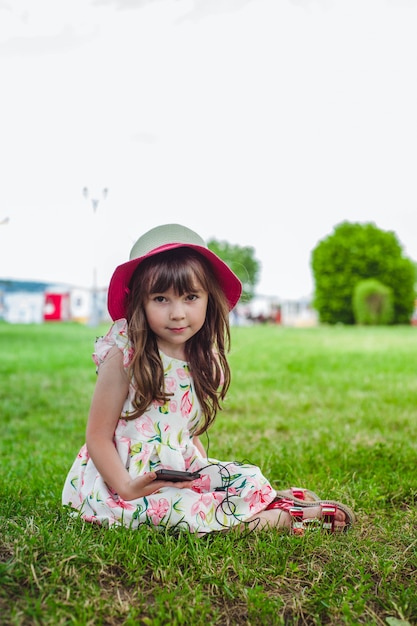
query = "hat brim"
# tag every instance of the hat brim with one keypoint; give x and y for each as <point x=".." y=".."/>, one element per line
<point x="119" y="282"/>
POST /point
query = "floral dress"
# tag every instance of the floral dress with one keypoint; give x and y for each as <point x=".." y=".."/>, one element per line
<point x="226" y="494"/>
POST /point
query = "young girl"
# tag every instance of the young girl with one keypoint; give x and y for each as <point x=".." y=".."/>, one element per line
<point x="162" y="376"/>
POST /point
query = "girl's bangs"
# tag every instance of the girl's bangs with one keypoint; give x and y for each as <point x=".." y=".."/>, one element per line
<point x="182" y="277"/>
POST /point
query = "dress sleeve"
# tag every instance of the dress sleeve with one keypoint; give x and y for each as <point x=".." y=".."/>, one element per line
<point x="117" y="336"/>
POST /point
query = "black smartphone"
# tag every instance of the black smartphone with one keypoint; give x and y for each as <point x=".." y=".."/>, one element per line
<point x="175" y="476"/>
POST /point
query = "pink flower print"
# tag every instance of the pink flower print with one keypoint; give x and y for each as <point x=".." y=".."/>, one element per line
<point x="145" y="426"/>
<point x="170" y="384"/>
<point x="201" y="505"/>
<point x="186" y="404"/>
<point x="157" y="509"/>
<point x="114" y="504"/>
<point x="257" y="497"/>
<point x="202" y="484"/>
<point x="144" y="453"/>
<point x="169" y="407"/>
<point x="218" y="496"/>
<point x="173" y="405"/>
<point x="183" y="373"/>
<point x="123" y="441"/>
<point x="127" y="356"/>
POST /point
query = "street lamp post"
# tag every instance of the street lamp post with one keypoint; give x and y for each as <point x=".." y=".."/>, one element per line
<point x="94" y="317"/>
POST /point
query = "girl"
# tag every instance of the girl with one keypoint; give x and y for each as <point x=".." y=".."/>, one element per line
<point x="162" y="376"/>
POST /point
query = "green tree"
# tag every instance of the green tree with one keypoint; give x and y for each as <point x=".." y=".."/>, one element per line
<point x="242" y="261"/>
<point x="354" y="252"/>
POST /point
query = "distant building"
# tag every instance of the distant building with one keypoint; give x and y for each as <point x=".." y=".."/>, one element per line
<point x="32" y="302"/>
<point x="278" y="311"/>
<point x="22" y="302"/>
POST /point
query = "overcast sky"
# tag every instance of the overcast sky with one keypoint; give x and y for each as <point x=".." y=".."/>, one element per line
<point x="264" y="123"/>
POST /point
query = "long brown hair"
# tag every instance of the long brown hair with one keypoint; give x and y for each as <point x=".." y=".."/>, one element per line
<point x="205" y="351"/>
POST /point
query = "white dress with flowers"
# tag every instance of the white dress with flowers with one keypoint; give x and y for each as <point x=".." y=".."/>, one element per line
<point x="226" y="494"/>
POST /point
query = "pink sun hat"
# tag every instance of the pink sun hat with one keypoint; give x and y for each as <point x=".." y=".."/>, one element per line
<point x="161" y="239"/>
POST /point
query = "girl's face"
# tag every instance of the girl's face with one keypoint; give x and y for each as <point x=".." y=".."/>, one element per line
<point x="175" y="318"/>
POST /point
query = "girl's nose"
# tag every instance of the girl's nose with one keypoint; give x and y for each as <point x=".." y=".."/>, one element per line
<point x="177" y="311"/>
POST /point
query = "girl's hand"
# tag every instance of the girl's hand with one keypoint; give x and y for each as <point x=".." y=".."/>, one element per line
<point x="147" y="484"/>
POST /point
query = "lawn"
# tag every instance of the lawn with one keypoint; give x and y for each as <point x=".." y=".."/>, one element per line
<point x="329" y="408"/>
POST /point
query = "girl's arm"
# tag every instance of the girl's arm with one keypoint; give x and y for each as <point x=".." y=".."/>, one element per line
<point x="199" y="446"/>
<point x="110" y="393"/>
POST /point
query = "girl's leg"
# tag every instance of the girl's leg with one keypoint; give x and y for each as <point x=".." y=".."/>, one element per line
<point x="274" y="518"/>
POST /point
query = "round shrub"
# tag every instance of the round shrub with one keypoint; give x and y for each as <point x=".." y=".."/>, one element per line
<point x="372" y="303"/>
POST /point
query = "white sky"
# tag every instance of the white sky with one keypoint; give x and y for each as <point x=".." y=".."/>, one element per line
<point x="260" y="122"/>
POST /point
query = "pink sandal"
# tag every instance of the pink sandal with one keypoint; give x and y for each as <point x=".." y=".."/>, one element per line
<point x="325" y="522"/>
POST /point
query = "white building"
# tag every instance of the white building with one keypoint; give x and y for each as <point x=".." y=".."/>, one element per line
<point x="278" y="311"/>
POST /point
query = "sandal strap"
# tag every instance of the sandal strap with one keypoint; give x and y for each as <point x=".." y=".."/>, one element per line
<point x="298" y="524"/>
<point x="284" y="504"/>
<point x="325" y="522"/>
<point x="301" y="492"/>
<point x="328" y="512"/>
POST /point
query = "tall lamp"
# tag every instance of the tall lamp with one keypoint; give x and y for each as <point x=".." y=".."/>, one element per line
<point x="94" y="317"/>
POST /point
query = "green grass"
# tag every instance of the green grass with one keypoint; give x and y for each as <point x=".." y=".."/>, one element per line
<point x="333" y="409"/>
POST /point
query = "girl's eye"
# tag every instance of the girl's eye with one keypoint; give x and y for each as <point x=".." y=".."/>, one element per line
<point x="192" y="297"/>
<point x="159" y="298"/>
